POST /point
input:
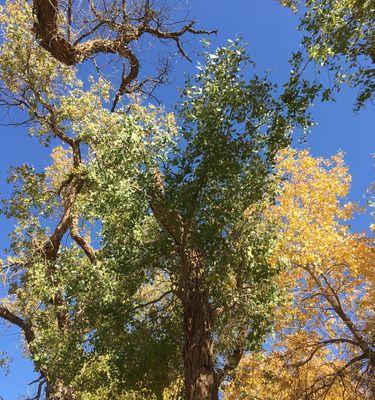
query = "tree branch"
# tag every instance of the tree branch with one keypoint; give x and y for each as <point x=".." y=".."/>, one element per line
<point x="82" y="243"/>
<point x="121" y="33"/>
<point x="14" y="319"/>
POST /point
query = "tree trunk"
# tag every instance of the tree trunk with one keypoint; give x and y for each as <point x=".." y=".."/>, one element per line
<point x="58" y="391"/>
<point x="199" y="371"/>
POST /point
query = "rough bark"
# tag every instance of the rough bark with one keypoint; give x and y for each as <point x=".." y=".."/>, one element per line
<point x="58" y="391"/>
<point x="199" y="369"/>
<point x="46" y="29"/>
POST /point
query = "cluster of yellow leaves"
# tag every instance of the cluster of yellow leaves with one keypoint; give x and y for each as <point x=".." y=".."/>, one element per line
<point x="312" y="214"/>
<point x="316" y="237"/>
<point x="317" y="244"/>
<point x="309" y="205"/>
<point x="61" y="167"/>
<point x="174" y="391"/>
<point x="268" y="377"/>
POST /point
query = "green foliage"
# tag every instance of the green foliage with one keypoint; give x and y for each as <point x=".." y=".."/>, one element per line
<point x="4" y="362"/>
<point x="147" y="185"/>
<point x="339" y="34"/>
<point x="230" y="131"/>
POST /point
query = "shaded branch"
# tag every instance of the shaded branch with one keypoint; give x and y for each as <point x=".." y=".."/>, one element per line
<point x="151" y="302"/>
<point x="234" y="359"/>
<point x="334" y="300"/>
<point x="168" y="219"/>
<point x="51" y="247"/>
<point x="14" y="319"/>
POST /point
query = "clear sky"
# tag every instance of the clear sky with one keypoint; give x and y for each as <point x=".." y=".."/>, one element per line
<point x="271" y="33"/>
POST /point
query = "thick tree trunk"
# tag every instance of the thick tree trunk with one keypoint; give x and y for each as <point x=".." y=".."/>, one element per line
<point x="199" y="371"/>
<point x="58" y="391"/>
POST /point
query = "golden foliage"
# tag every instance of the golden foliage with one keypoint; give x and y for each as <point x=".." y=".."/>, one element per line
<point x="324" y="333"/>
<point x="262" y="377"/>
<point x="62" y="166"/>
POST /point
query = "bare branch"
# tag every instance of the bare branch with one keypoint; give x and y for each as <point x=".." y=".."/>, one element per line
<point x="120" y="28"/>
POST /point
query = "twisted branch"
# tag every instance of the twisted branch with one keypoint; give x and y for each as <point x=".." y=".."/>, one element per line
<point x="116" y="40"/>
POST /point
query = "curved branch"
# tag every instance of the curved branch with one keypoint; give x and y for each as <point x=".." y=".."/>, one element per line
<point x="82" y="243"/>
<point x="121" y="33"/>
<point x="127" y="79"/>
<point x="14" y="319"/>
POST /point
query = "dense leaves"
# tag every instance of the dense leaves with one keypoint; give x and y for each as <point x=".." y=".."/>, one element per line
<point x="323" y="345"/>
<point x="148" y="256"/>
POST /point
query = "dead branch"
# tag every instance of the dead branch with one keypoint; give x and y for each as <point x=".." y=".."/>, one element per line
<point x="110" y="29"/>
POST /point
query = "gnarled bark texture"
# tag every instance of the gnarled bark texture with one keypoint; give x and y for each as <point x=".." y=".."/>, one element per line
<point x="199" y="367"/>
<point x="58" y="391"/>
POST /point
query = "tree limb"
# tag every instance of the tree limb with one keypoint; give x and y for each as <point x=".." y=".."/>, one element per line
<point x="14" y="319"/>
<point x="121" y="33"/>
<point x="82" y="243"/>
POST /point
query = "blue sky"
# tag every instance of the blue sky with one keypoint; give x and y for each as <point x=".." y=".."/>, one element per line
<point x="271" y="33"/>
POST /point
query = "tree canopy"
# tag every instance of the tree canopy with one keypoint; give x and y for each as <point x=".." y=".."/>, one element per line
<point x="323" y="346"/>
<point x="158" y="251"/>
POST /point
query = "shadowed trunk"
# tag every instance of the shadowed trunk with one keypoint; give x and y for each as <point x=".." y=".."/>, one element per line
<point x="58" y="391"/>
<point x="199" y="371"/>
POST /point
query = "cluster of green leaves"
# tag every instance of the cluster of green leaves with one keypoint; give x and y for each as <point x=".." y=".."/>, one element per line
<point x="339" y="34"/>
<point x="214" y="167"/>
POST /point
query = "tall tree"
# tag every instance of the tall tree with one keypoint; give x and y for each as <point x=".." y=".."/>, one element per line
<point x="56" y="106"/>
<point x="324" y="339"/>
<point x="162" y="259"/>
